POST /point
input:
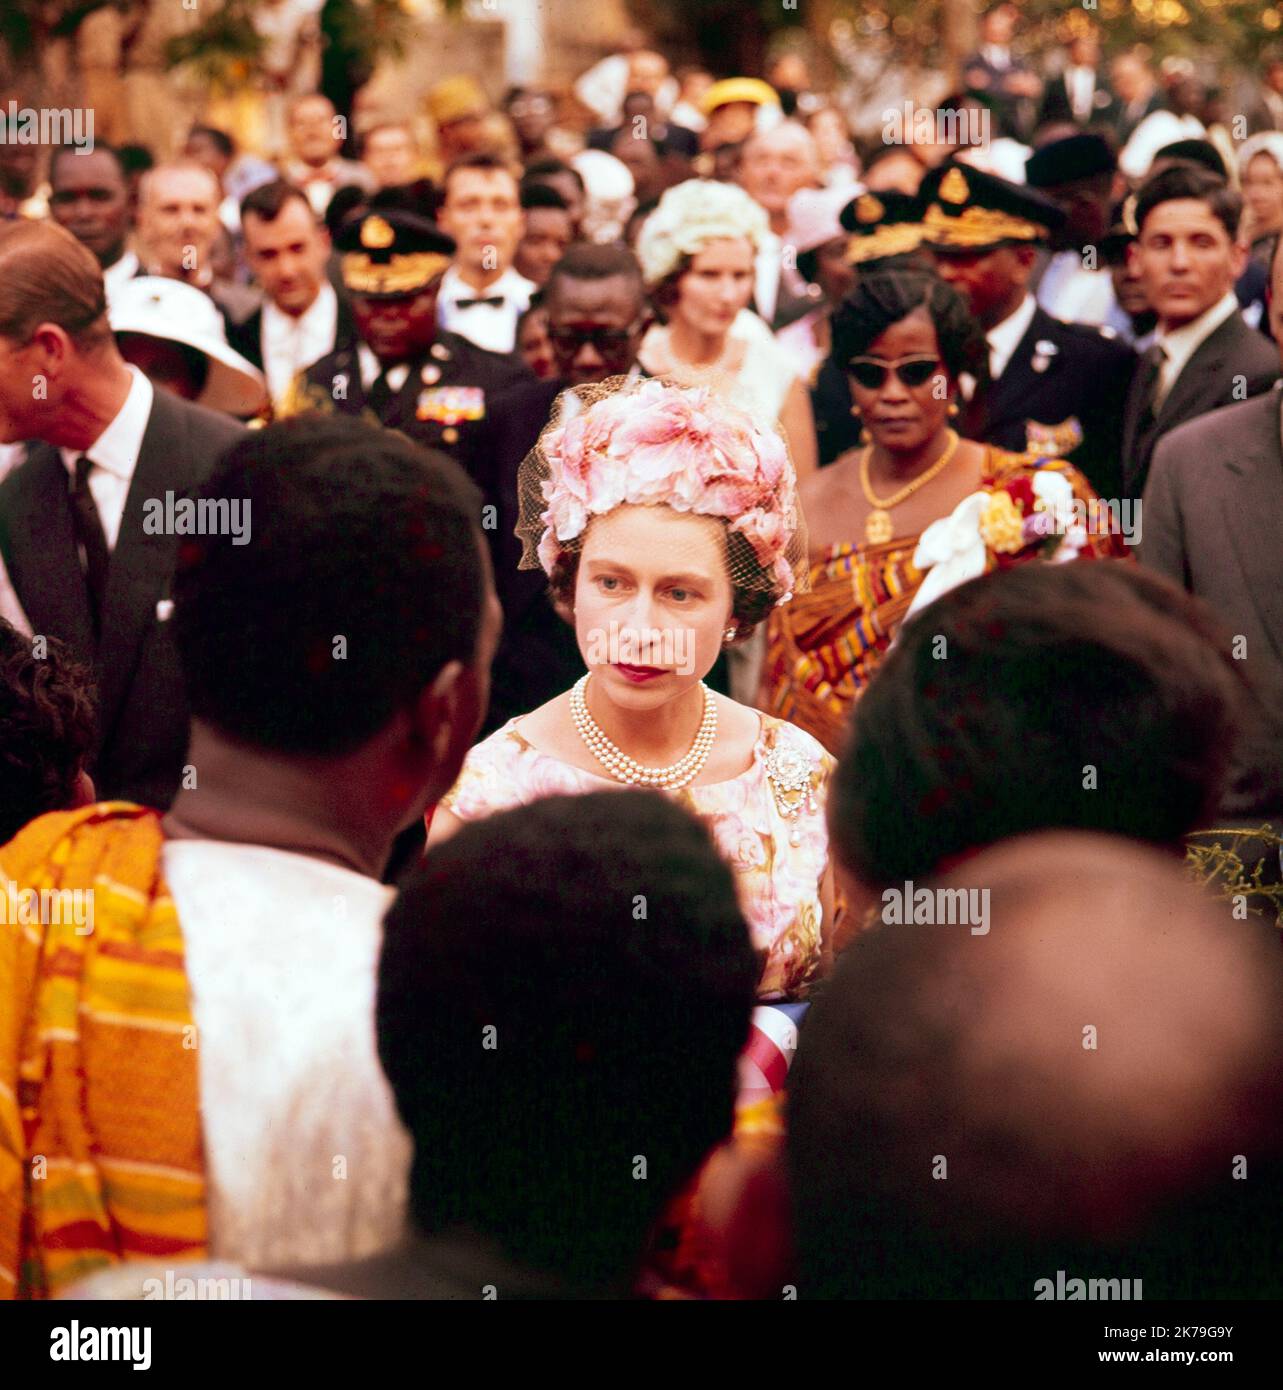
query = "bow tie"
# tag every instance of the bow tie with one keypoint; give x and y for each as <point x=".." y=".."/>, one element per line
<point x="495" y="301"/>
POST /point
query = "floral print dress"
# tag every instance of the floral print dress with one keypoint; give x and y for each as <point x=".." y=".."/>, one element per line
<point x="768" y="823"/>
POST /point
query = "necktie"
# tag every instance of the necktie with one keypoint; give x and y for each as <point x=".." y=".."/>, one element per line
<point x="495" y="301"/>
<point x="1151" y="379"/>
<point x="379" y="398"/>
<point x="91" y="538"/>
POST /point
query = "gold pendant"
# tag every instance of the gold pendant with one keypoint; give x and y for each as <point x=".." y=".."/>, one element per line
<point x="877" y="527"/>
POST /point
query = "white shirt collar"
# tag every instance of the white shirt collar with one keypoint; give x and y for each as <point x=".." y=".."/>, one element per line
<point x="1180" y="344"/>
<point x="1005" y="337"/>
<point x="290" y="344"/>
<point x="116" y="449"/>
<point x="511" y="285"/>
<point x="319" y="310"/>
<point x="372" y="368"/>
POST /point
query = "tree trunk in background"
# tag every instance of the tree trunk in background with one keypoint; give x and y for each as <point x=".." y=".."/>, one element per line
<point x="960" y="31"/>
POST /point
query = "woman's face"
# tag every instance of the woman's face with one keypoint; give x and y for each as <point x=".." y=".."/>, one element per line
<point x="652" y="602"/>
<point x="903" y="417"/>
<point x="717" y="286"/>
<point x="1263" y="193"/>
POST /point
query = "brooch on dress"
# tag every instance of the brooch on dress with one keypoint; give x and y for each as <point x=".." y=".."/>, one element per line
<point x="789" y="772"/>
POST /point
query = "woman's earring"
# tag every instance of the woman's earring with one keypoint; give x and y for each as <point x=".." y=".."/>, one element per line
<point x="864" y="434"/>
<point x="729" y="634"/>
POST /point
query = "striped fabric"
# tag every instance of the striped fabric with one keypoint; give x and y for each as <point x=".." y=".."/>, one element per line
<point x="100" y="1137"/>
<point x="825" y="644"/>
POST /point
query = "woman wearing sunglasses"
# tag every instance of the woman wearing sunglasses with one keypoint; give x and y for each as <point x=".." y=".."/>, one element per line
<point x="915" y="509"/>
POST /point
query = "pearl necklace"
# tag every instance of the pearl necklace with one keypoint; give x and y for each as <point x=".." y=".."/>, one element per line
<point x="625" y="769"/>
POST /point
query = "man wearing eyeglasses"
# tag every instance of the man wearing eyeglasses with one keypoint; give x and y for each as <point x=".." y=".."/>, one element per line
<point x="597" y="316"/>
<point x="1055" y="389"/>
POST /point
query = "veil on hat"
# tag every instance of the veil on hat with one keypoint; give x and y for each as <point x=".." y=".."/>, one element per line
<point x="647" y="442"/>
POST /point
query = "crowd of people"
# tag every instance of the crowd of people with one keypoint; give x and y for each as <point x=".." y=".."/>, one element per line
<point x="895" y="523"/>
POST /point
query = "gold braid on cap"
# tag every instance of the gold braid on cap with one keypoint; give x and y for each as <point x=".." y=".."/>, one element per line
<point x="895" y="239"/>
<point x="977" y="226"/>
<point x="397" y="275"/>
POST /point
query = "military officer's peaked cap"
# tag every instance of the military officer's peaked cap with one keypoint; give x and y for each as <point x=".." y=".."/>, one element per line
<point x="970" y="209"/>
<point x="881" y="224"/>
<point x="390" y="251"/>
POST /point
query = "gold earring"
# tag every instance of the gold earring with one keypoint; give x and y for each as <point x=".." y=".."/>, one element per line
<point x="953" y="407"/>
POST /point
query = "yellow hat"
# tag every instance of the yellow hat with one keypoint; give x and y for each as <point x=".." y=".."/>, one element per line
<point x="455" y="99"/>
<point x="733" y="89"/>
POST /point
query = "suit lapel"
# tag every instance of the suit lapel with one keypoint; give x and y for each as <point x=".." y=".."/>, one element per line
<point x="141" y="564"/>
<point x="54" y="595"/>
<point x="1199" y="385"/>
<point x="1253" y="514"/>
<point x="1009" y="396"/>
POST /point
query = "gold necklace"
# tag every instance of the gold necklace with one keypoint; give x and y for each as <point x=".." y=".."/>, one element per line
<point x="625" y="769"/>
<point x="878" y="528"/>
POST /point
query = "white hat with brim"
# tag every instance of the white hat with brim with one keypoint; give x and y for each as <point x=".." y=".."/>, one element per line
<point x="179" y="313"/>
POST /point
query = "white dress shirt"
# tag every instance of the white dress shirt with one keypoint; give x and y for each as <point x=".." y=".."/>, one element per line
<point x="1069" y="291"/>
<point x="492" y="326"/>
<point x="371" y="368"/>
<point x="1004" y="338"/>
<point x="306" y="1161"/>
<point x="118" y="274"/>
<point x="1180" y="344"/>
<point x="1080" y="84"/>
<point x="290" y="343"/>
<point x="114" y="455"/>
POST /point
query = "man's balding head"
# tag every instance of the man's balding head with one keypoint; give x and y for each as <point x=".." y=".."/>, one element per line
<point x="777" y="163"/>
<point x="970" y="1113"/>
<point x="178" y="216"/>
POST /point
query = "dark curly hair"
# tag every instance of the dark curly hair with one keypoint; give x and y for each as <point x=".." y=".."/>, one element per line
<point x="750" y="603"/>
<point x="616" y="1030"/>
<point x="48" y="718"/>
<point x="884" y="297"/>
<point x="997" y="700"/>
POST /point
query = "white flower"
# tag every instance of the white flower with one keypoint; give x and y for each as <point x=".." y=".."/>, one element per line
<point x="951" y="550"/>
<point x="1053" y="490"/>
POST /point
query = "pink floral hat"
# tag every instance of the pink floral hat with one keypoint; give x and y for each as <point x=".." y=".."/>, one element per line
<point x="648" y="443"/>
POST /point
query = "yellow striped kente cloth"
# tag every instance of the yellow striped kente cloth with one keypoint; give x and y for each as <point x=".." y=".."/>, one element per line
<point x="100" y="1136"/>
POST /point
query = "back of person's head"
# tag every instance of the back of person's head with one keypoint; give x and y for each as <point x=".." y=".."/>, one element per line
<point x="345" y="573"/>
<point x="47" y="726"/>
<point x="1087" y="1089"/>
<point x="1190" y="181"/>
<point x="563" y="994"/>
<point x="47" y="276"/>
<point x="1093" y="695"/>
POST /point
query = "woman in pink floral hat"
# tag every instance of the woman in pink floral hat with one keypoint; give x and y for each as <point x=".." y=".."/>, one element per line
<point x="666" y="521"/>
<point x="917" y="509"/>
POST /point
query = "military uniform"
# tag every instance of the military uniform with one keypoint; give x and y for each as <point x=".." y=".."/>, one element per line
<point x="1063" y="390"/>
<point x="438" y="396"/>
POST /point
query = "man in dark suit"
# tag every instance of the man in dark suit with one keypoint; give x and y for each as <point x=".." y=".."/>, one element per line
<point x="303" y="317"/>
<point x="1055" y="389"/>
<point x="88" y="531"/>
<point x="1080" y="94"/>
<point x="1213" y="515"/>
<point x="993" y="70"/>
<point x="1137" y="93"/>
<point x="597" y="316"/>
<point x="403" y="371"/>
<point x="1205" y="356"/>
